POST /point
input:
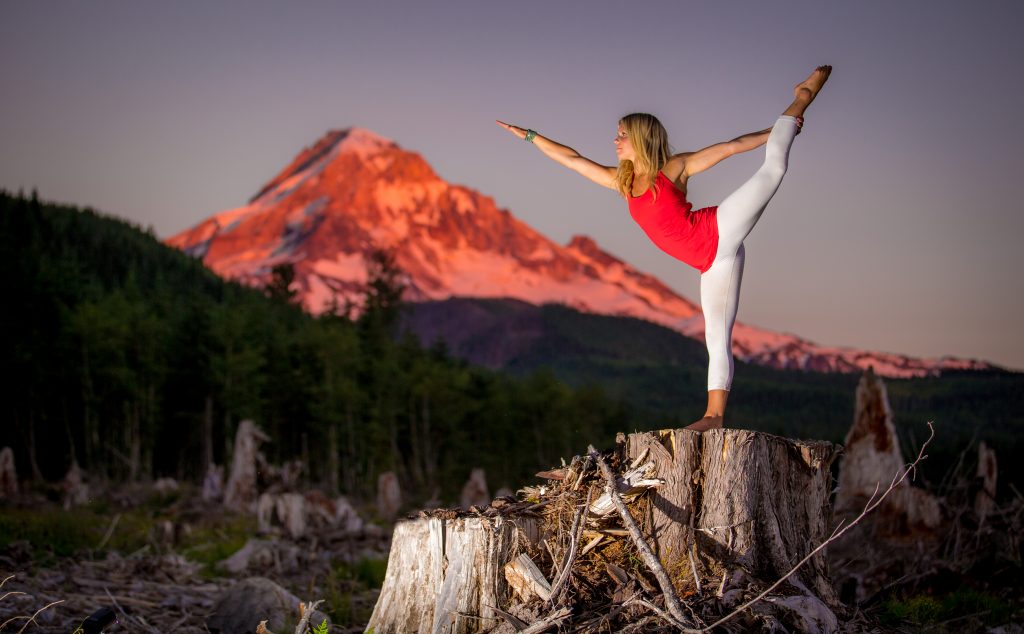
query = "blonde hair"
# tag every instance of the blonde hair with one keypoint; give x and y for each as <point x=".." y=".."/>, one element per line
<point x="650" y="145"/>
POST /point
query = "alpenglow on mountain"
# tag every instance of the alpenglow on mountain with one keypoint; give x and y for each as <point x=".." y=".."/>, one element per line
<point x="354" y="192"/>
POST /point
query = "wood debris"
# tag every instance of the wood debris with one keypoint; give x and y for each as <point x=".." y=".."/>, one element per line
<point x="600" y="543"/>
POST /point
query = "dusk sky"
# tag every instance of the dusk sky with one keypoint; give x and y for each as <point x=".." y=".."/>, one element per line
<point x="897" y="228"/>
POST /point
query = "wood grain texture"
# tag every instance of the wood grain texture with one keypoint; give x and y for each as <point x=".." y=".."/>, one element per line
<point x="741" y="499"/>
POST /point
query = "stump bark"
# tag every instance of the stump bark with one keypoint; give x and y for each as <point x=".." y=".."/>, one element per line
<point x="731" y="500"/>
<point x="737" y="498"/>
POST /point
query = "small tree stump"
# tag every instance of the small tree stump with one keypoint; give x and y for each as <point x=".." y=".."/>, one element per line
<point x="446" y="575"/>
<point x="389" y="495"/>
<point x="474" y="492"/>
<point x="240" y="493"/>
<point x="872" y="457"/>
<point x="988" y="471"/>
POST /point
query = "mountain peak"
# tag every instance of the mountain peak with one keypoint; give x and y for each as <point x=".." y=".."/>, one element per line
<point x="360" y="141"/>
<point x="313" y="159"/>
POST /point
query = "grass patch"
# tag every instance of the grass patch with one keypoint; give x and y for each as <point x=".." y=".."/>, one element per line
<point x="343" y="585"/>
<point x="63" y="532"/>
<point x="55" y="533"/>
<point x="214" y="542"/>
<point x="367" y="571"/>
<point x="963" y="603"/>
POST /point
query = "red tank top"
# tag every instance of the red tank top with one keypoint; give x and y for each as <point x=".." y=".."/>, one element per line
<point x="690" y="236"/>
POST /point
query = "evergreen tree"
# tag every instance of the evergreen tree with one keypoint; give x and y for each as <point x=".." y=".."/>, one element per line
<point x="282" y="276"/>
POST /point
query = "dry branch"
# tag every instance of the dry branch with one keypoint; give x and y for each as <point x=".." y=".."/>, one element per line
<point x="671" y="599"/>
<point x="552" y="620"/>
<point x="306" y="611"/>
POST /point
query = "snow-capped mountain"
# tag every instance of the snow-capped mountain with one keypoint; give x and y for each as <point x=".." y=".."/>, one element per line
<point x="354" y="192"/>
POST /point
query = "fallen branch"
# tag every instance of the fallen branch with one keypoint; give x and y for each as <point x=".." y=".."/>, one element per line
<point x="306" y="611"/>
<point x="661" y="613"/>
<point x="552" y="620"/>
<point x="671" y="599"/>
<point x="871" y="505"/>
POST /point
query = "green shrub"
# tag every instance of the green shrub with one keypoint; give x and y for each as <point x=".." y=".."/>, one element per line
<point x="346" y="580"/>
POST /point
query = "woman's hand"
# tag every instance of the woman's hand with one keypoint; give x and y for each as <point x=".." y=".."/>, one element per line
<point x="516" y="130"/>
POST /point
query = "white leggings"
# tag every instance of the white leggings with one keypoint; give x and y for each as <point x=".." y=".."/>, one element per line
<point x="737" y="215"/>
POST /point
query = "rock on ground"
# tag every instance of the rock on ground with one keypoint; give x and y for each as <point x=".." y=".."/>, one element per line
<point x="241" y="607"/>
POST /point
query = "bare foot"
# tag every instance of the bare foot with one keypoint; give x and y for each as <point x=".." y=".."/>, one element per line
<point x="808" y="89"/>
<point x="706" y="423"/>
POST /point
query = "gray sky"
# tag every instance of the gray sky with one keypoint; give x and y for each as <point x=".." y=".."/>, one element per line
<point x="897" y="227"/>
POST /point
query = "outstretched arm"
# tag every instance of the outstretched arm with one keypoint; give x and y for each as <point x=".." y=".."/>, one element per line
<point x="701" y="160"/>
<point x="564" y="155"/>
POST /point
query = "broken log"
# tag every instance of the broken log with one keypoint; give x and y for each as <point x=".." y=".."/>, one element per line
<point x="709" y="504"/>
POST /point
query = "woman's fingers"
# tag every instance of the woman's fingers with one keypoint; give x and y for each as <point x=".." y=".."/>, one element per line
<point x="516" y="130"/>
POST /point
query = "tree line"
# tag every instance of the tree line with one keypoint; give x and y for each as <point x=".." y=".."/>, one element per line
<point x="135" y="361"/>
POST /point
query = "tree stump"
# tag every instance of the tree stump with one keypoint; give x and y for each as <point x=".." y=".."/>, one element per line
<point x="988" y="470"/>
<point x="733" y="503"/>
<point x="389" y="495"/>
<point x="445" y="574"/>
<point x="737" y="498"/>
<point x="872" y="457"/>
<point x="475" y="492"/>
<point x="240" y="492"/>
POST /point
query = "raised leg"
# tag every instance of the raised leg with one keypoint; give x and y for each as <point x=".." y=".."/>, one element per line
<point x="741" y="210"/>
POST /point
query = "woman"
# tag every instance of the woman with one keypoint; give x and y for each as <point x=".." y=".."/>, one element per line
<point x="653" y="182"/>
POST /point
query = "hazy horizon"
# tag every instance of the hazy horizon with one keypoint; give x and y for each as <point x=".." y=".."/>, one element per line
<point x="895" y="229"/>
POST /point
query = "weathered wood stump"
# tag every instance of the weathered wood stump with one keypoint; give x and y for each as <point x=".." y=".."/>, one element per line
<point x="445" y="575"/>
<point x="731" y="501"/>
<point x="737" y="498"/>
